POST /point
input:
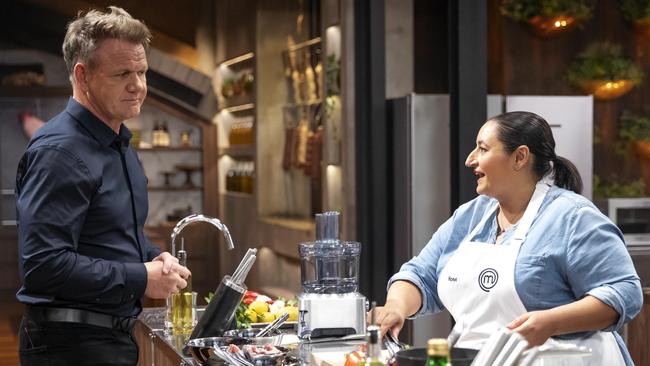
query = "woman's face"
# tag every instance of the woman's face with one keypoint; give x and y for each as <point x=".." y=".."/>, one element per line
<point x="492" y="165"/>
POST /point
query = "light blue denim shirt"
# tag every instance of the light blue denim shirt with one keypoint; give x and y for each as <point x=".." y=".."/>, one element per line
<point x="571" y="250"/>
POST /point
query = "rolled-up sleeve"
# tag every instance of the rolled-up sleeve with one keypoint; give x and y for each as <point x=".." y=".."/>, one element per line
<point x="422" y="270"/>
<point x="54" y="191"/>
<point x="599" y="265"/>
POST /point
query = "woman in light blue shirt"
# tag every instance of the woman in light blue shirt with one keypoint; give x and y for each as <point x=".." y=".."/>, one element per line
<point x="559" y="268"/>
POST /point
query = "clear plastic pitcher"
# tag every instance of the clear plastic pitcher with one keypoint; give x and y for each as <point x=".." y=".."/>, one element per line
<point x="331" y="268"/>
<point x="329" y="265"/>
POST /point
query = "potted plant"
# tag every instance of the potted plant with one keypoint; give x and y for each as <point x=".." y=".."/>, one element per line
<point x="602" y="70"/>
<point x="637" y="12"/>
<point x="634" y="133"/>
<point x="615" y="187"/>
<point x="548" y="17"/>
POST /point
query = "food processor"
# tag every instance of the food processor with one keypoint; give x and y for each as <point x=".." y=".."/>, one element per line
<point x="330" y="304"/>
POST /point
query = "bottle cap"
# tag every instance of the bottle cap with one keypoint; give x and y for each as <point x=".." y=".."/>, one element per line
<point x="437" y="347"/>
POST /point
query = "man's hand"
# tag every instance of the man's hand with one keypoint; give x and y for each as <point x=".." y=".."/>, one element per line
<point x="168" y="261"/>
<point x="536" y="326"/>
<point x="159" y="284"/>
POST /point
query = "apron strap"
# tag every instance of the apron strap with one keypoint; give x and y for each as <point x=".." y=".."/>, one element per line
<point x="541" y="189"/>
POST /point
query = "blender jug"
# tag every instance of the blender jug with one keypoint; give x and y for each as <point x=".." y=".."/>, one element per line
<point x="330" y="304"/>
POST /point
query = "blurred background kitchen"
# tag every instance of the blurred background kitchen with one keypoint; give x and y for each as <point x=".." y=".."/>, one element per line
<point x="262" y="113"/>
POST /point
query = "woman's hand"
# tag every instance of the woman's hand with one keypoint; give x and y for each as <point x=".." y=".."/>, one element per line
<point x="536" y="326"/>
<point x="390" y="317"/>
<point x="586" y="314"/>
<point x="403" y="300"/>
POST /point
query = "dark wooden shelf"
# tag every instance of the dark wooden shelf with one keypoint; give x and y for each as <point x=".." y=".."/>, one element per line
<point x="170" y="149"/>
<point x="35" y="91"/>
<point x="291" y="223"/>
<point x="238" y="195"/>
<point x="173" y="189"/>
<point x="231" y="62"/>
<point x="241" y="105"/>
<point x="238" y="151"/>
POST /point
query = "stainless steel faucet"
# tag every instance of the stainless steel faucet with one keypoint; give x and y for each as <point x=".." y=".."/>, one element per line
<point x="198" y="217"/>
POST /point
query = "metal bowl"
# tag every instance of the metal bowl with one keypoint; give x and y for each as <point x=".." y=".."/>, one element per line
<point x="202" y="349"/>
<point x="241" y="333"/>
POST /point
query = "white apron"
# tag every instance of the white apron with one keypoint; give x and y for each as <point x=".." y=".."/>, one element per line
<point x="477" y="286"/>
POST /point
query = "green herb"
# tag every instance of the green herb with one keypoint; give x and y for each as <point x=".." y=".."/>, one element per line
<point x="634" y="10"/>
<point x="616" y="188"/>
<point x="240" y="315"/>
<point x="292" y="302"/>
<point x="523" y="10"/>
<point x="209" y="297"/>
<point x="603" y="61"/>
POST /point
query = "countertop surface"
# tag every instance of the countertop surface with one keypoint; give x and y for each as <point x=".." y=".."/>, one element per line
<point x="153" y="318"/>
<point x="331" y="352"/>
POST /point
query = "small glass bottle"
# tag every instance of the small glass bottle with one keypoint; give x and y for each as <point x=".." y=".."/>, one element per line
<point x="182" y="302"/>
<point x="155" y="134"/>
<point x="373" y="342"/>
<point x="165" y="139"/>
<point x="437" y="352"/>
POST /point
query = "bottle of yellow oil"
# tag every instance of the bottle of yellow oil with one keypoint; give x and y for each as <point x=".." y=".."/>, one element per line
<point x="182" y="303"/>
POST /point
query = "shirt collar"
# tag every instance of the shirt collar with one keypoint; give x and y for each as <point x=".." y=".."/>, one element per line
<point x="97" y="128"/>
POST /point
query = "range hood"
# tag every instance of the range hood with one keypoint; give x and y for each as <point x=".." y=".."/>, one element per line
<point x="171" y="80"/>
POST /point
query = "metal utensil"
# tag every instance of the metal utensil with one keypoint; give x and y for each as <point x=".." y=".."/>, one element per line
<point x="393" y="346"/>
<point x="273" y="325"/>
<point x="348" y="338"/>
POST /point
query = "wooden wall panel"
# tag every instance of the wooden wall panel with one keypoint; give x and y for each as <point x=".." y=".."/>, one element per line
<point x="638" y="341"/>
<point x="521" y="63"/>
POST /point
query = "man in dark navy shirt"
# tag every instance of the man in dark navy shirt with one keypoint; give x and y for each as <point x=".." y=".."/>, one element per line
<point x="85" y="263"/>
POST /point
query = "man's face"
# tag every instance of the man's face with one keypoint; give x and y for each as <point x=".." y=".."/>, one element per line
<point x="116" y="84"/>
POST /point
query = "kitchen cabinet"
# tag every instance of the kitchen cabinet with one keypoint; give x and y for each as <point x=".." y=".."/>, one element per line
<point x="296" y="93"/>
<point x="638" y="342"/>
<point x="44" y="103"/>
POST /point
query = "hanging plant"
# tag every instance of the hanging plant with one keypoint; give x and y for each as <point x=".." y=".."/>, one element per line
<point x="637" y="12"/>
<point x="617" y="187"/>
<point x="634" y="131"/>
<point x="548" y="17"/>
<point x="602" y="70"/>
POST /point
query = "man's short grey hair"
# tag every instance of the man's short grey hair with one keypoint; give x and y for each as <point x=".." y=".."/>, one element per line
<point x="86" y="32"/>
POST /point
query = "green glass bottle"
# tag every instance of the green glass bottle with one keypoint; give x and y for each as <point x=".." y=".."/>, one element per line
<point x="438" y="352"/>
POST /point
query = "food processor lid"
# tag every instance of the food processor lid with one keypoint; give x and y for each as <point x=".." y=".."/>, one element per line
<point x="329" y="248"/>
<point x="327" y="243"/>
<point x="327" y="226"/>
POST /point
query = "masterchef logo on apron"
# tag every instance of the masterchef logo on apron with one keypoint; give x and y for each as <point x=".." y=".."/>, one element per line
<point x="487" y="279"/>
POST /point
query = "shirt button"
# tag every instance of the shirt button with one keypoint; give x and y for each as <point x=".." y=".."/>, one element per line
<point x="97" y="299"/>
<point x="131" y="295"/>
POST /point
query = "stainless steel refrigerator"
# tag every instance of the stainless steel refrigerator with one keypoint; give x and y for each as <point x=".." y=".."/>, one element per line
<point x="421" y="189"/>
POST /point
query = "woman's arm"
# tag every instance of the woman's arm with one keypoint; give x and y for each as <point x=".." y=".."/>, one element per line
<point x="402" y="301"/>
<point x="599" y="272"/>
<point x="586" y="314"/>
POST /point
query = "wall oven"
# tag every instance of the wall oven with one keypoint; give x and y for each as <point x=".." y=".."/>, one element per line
<point x="632" y="216"/>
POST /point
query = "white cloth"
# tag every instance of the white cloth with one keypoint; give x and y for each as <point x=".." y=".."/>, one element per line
<point x="477" y="286"/>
